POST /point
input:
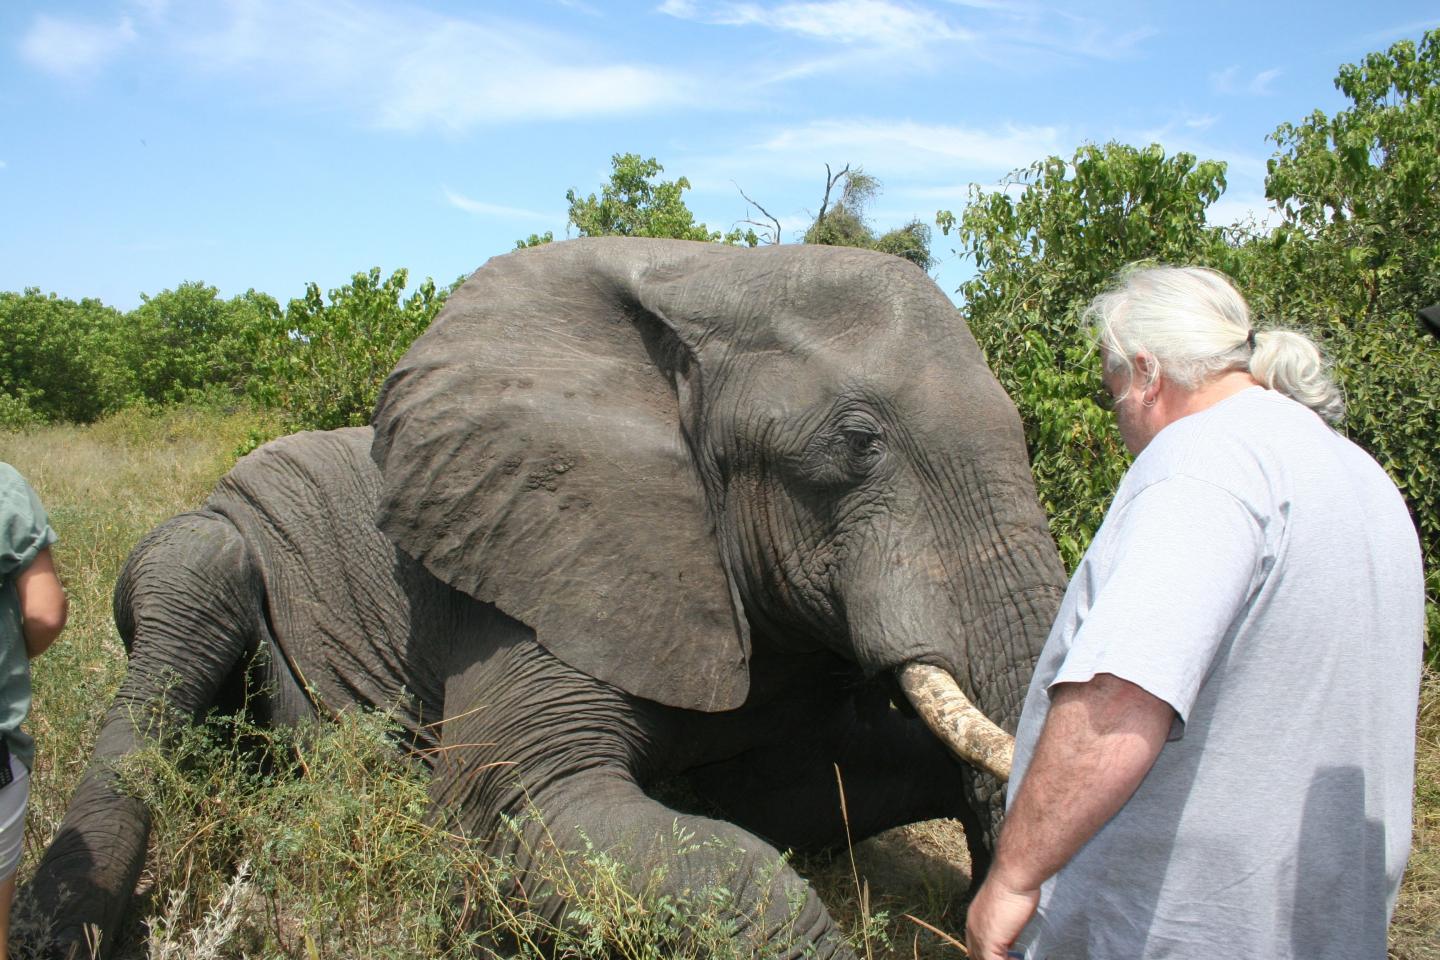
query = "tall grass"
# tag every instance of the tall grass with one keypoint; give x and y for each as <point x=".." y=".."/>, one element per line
<point x="104" y="486"/>
<point x="326" y="845"/>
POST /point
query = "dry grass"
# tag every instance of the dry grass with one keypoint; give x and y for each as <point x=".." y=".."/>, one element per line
<point x="108" y="484"/>
<point x="104" y="486"/>
<point x="1415" y="930"/>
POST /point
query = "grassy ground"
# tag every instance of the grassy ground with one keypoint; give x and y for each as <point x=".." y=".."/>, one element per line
<point x="327" y="851"/>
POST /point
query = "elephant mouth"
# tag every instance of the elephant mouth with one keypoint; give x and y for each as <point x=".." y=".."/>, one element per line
<point x="970" y="735"/>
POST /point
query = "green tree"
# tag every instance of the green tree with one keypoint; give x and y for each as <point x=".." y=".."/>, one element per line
<point x="184" y="341"/>
<point x="1358" y="253"/>
<point x="1370" y="175"/>
<point x="1043" y="245"/>
<point x="535" y="240"/>
<point x="634" y="203"/>
<point x="842" y="222"/>
<point x="322" y="363"/>
<point x="59" y="359"/>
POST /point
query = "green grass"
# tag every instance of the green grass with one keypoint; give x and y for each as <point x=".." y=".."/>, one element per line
<point x="329" y="849"/>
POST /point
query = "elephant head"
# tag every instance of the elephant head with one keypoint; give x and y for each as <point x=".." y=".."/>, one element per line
<point x="662" y="454"/>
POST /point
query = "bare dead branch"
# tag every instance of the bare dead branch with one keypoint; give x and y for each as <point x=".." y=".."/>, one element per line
<point x="830" y="181"/>
<point x="768" y="215"/>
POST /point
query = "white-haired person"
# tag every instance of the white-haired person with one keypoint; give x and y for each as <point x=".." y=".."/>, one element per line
<point x="32" y="614"/>
<point x="1216" y="754"/>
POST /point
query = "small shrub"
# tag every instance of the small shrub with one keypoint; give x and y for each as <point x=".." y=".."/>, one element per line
<point x="321" y="364"/>
<point x="15" y="413"/>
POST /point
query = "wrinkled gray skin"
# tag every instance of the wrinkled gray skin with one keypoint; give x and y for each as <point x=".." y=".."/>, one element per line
<point x="633" y="510"/>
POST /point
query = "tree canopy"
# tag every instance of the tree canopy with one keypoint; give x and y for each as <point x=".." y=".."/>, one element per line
<point x="1043" y="244"/>
<point x="1356" y="255"/>
<point x="635" y="203"/>
<point x="841" y="222"/>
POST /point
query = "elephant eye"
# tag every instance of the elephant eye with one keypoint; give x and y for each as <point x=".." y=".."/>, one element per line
<point x="863" y="445"/>
<point x="845" y="453"/>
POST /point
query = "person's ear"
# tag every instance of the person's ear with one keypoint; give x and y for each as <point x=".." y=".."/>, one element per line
<point x="1147" y="372"/>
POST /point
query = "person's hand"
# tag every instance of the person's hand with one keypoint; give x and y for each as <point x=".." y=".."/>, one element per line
<point x="997" y="915"/>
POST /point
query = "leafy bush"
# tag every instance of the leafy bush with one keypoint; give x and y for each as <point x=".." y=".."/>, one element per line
<point x="15" y="413"/>
<point x="75" y="362"/>
<point x="321" y="364"/>
<point x="842" y="223"/>
<point x="1358" y="254"/>
<point x="635" y="204"/>
<point x="61" y="359"/>
<point x="183" y="342"/>
<point x="1042" y="251"/>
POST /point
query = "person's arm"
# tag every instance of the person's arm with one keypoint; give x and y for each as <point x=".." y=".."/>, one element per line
<point x="1099" y="740"/>
<point x="43" y="605"/>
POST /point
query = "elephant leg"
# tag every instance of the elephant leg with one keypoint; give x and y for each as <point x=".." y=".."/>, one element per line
<point x="188" y="605"/>
<point x="540" y="760"/>
<point x="892" y="769"/>
<point x="711" y="869"/>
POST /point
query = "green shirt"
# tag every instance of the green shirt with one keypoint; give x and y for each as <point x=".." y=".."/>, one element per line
<point x="24" y="532"/>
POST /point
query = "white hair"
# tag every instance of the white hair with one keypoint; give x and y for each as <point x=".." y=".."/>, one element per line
<point x="1196" y="326"/>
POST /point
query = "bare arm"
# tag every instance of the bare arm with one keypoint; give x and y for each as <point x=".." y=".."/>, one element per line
<point x="43" y="605"/>
<point x="1100" y="739"/>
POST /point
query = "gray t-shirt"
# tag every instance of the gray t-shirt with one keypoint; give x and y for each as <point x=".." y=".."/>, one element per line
<point x="1260" y="573"/>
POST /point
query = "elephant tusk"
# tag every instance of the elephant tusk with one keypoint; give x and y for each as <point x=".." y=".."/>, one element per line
<point x="950" y="715"/>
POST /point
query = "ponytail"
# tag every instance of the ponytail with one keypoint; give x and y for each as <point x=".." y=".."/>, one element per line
<point x="1290" y="363"/>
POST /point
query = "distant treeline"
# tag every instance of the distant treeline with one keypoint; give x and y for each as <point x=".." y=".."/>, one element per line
<point x="317" y="360"/>
<point x="1355" y="255"/>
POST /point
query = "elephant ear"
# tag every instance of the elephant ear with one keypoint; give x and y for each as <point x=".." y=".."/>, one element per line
<point x="533" y="456"/>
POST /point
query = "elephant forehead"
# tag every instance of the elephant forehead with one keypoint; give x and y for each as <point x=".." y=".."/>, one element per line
<point x="874" y="330"/>
<point x="891" y="369"/>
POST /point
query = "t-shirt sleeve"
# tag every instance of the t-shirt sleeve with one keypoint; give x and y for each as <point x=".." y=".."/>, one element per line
<point x="24" y="527"/>
<point x="1177" y="570"/>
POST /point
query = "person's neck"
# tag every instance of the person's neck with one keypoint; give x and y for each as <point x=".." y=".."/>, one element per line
<point x="1185" y="402"/>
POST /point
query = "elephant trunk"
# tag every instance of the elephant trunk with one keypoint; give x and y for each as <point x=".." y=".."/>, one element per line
<point x="950" y="715"/>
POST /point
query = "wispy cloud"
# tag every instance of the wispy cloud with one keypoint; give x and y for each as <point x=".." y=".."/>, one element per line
<point x="1008" y="27"/>
<point x="150" y="8"/>
<point x="396" y="66"/>
<point x="899" y="36"/>
<point x="1410" y="31"/>
<point x="870" y="23"/>
<point x="908" y="148"/>
<point x="921" y="165"/>
<point x="1076" y="35"/>
<point x="579" y="6"/>
<point x="413" y="70"/>
<point x="483" y="209"/>
<point x="1232" y="81"/>
<point x="74" y="48"/>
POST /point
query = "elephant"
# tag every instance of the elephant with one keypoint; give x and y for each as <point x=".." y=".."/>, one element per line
<point x="630" y="511"/>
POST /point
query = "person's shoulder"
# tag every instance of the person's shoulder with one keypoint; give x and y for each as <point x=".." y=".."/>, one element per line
<point x="1256" y="420"/>
<point x="12" y="482"/>
<point x="1224" y="446"/>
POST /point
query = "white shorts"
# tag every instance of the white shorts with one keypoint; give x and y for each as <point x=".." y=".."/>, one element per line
<point x="13" y="798"/>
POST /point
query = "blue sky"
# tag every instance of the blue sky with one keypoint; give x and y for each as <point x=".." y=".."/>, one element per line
<point x="267" y="143"/>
